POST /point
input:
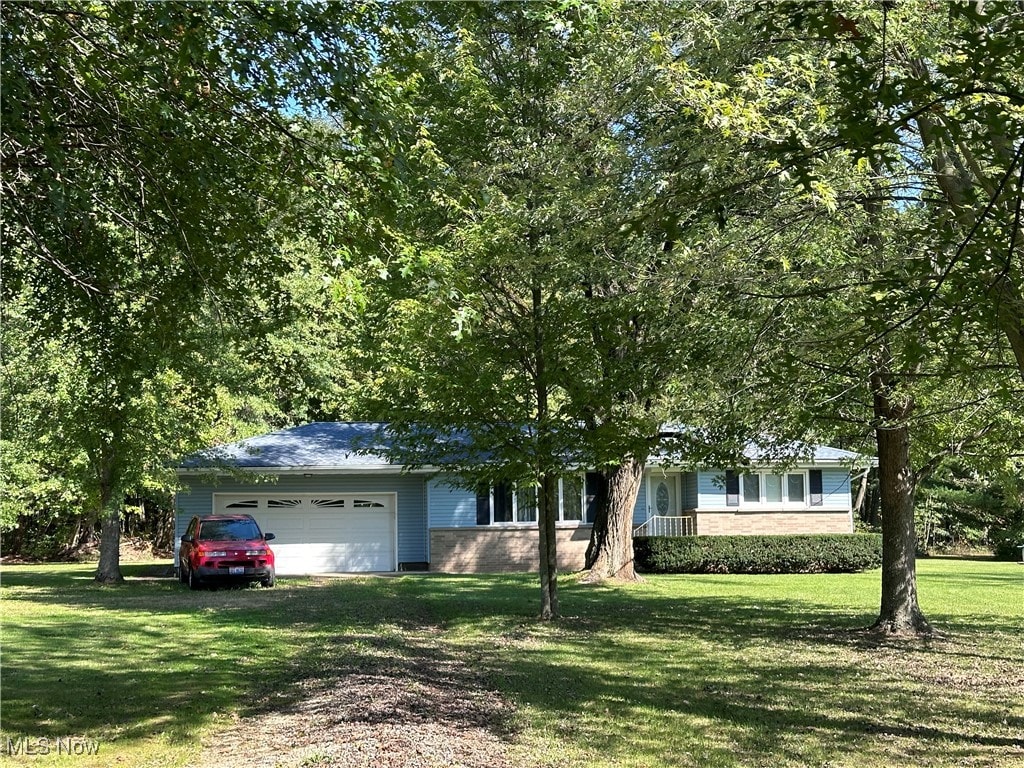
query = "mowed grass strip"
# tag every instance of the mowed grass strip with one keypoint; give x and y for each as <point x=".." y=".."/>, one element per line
<point x="679" y="671"/>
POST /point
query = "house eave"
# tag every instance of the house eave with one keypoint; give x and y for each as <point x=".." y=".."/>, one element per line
<point x="383" y="469"/>
<point x="654" y="464"/>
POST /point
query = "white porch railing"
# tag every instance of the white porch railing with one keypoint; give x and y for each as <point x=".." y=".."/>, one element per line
<point x="663" y="525"/>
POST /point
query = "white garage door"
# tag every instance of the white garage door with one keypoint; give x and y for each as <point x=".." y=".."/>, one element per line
<point x="321" y="533"/>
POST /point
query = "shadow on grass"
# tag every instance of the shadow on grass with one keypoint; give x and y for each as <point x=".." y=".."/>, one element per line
<point x="734" y="620"/>
<point x="152" y="657"/>
<point x="627" y="666"/>
<point x="769" y="675"/>
<point x="762" y="709"/>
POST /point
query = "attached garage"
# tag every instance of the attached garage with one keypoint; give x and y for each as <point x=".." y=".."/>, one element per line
<point x="323" y="533"/>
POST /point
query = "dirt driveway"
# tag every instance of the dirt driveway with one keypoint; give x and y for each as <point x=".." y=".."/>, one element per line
<point x="392" y="701"/>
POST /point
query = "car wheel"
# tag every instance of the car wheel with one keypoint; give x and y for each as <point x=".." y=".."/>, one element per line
<point x="193" y="580"/>
<point x="269" y="581"/>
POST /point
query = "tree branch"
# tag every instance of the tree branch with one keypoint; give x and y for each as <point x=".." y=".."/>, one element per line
<point x="953" y="449"/>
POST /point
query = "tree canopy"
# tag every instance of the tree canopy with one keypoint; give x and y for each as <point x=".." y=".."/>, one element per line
<point x="554" y="227"/>
<point x="151" y="172"/>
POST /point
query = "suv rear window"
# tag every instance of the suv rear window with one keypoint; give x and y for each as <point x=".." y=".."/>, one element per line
<point x="228" y="530"/>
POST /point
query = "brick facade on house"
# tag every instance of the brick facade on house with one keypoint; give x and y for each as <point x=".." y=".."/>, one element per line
<point x="509" y="550"/>
<point x="503" y="550"/>
<point x="743" y="523"/>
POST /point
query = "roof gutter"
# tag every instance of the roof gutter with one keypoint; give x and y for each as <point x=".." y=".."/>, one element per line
<point x="391" y="469"/>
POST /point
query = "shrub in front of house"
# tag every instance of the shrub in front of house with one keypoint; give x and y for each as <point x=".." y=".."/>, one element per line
<point x="824" y="553"/>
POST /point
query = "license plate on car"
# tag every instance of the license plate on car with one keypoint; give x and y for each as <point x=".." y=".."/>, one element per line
<point x="236" y="570"/>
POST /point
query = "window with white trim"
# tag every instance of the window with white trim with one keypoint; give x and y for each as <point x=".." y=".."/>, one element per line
<point x="768" y="489"/>
<point x="504" y="504"/>
<point x="751" y="488"/>
<point x="525" y="505"/>
<point x="579" y="496"/>
<point x="570" y="498"/>
<point x="500" y="505"/>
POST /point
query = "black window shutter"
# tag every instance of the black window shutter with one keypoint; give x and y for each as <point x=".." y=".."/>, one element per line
<point x="595" y="496"/>
<point x="817" y="497"/>
<point x="503" y="503"/>
<point x="732" y="488"/>
<point x="483" y="506"/>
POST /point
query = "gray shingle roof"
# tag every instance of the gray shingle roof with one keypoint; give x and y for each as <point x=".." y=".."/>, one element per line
<point x="820" y="453"/>
<point x="322" y="444"/>
<point x="361" y="445"/>
<point x="764" y="452"/>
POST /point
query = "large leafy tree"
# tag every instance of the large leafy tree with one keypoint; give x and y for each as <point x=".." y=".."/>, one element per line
<point x="936" y="96"/>
<point x="930" y="99"/>
<point x="236" y="383"/>
<point x="933" y="388"/>
<point x="572" y="306"/>
<point x="149" y="159"/>
<point x="52" y="447"/>
<point x="883" y="285"/>
<point x="476" y="301"/>
<point x="571" y="257"/>
<point x="688" y="183"/>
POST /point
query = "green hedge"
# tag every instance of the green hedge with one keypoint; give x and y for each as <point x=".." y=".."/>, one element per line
<point x="826" y="553"/>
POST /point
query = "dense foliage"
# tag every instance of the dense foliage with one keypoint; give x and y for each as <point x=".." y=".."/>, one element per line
<point x="552" y="226"/>
<point x="839" y="553"/>
<point x="157" y="157"/>
<point x="960" y="509"/>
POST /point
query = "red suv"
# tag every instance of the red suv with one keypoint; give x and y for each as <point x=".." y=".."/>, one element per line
<point x="225" y="548"/>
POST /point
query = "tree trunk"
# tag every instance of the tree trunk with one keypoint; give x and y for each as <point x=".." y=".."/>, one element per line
<point x="862" y="492"/>
<point x="599" y="531"/>
<point x="547" y="505"/>
<point x="1010" y="308"/>
<point x="109" y="569"/>
<point x="900" y="612"/>
<point x="614" y="557"/>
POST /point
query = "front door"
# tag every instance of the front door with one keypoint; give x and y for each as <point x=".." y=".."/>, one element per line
<point x="665" y="495"/>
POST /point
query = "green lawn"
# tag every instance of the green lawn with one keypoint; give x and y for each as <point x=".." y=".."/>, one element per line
<point x="680" y="671"/>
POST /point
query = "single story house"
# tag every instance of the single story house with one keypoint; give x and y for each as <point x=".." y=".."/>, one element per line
<point x="334" y="506"/>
